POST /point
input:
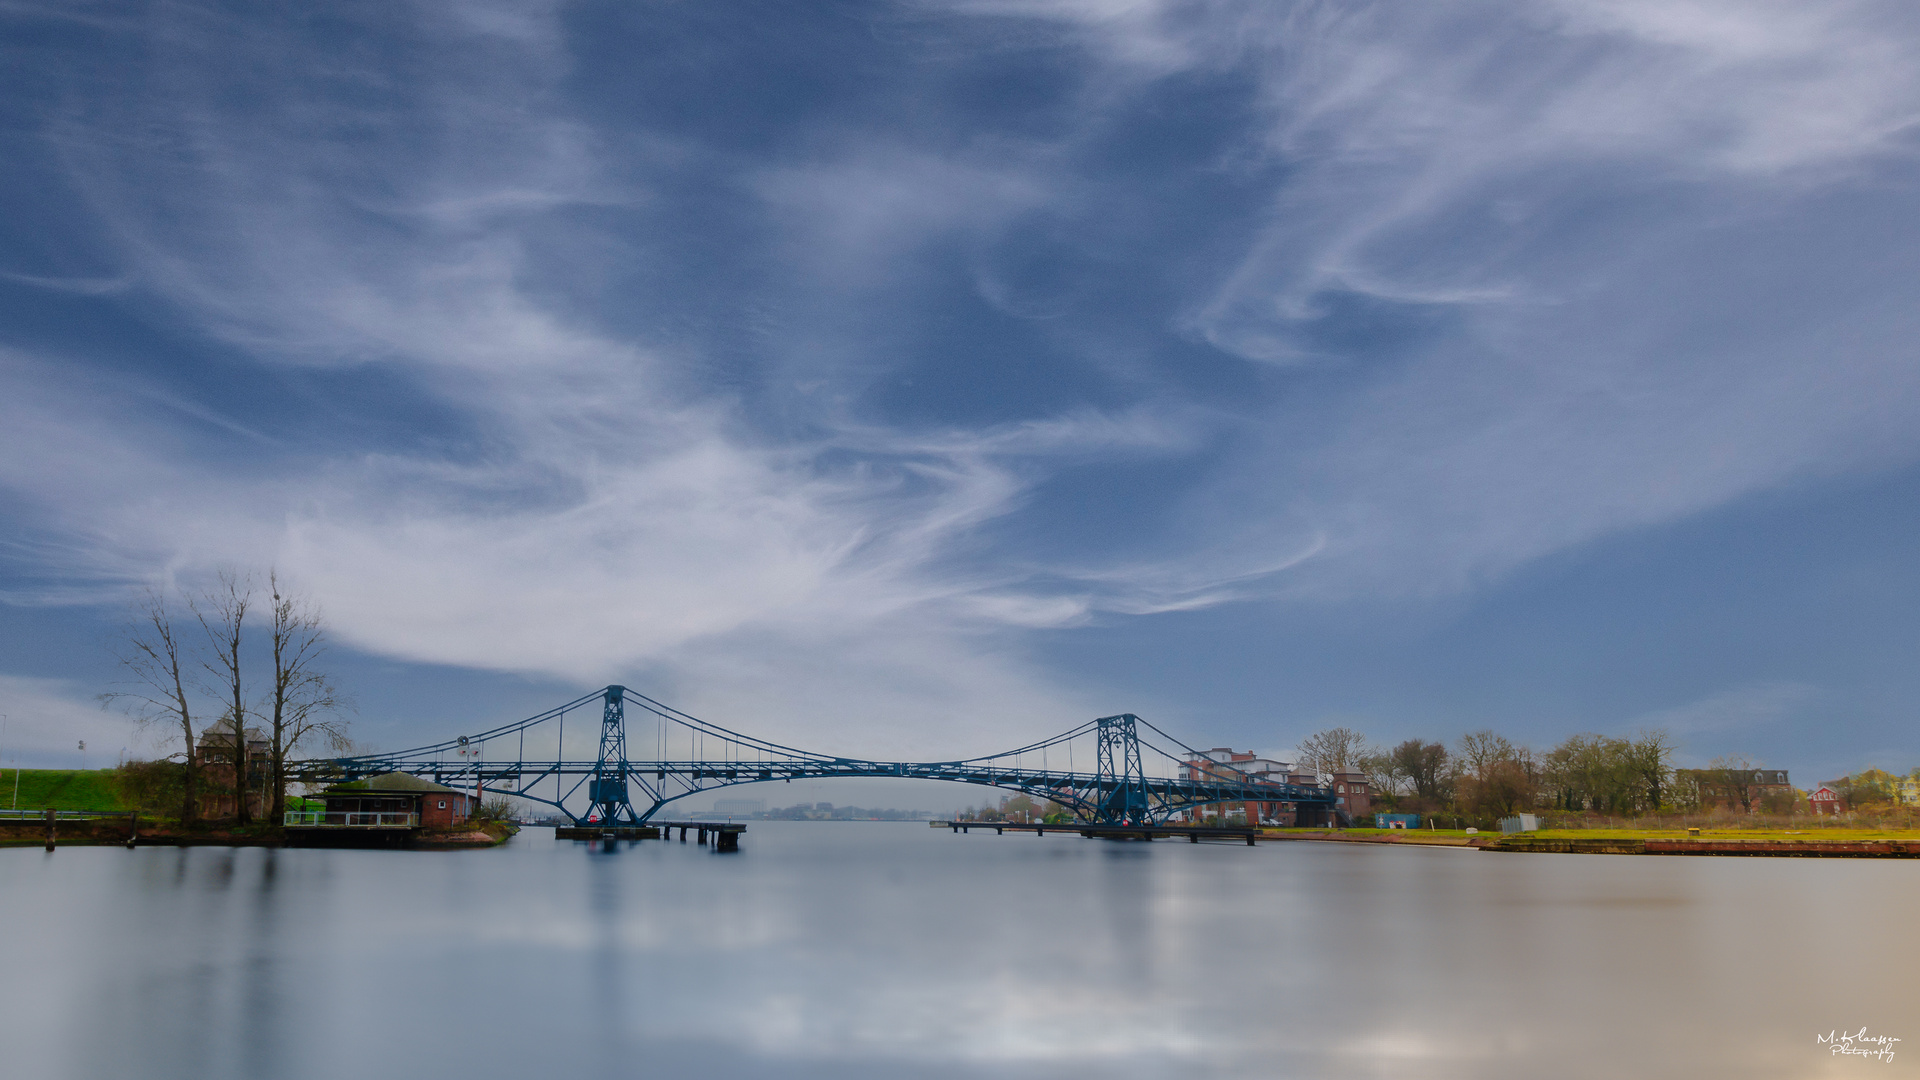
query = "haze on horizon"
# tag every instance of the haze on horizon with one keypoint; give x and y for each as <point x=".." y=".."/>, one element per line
<point x="917" y="378"/>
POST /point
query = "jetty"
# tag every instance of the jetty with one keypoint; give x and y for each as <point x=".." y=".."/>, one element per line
<point x="725" y="834"/>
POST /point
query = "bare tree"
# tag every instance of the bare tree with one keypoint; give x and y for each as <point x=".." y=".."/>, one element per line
<point x="1384" y="774"/>
<point x="1733" y="775"/>
<point x="153" y="659"/>
<point x="1652" y="757"/>
<point x="1507" y="787"/>
<point x="302" y="701"/>
<point x="1479" y="750"/>
<point x="1425" y="766"/>
<point x="1333" y="750"/>
<point x="222" y="612"/>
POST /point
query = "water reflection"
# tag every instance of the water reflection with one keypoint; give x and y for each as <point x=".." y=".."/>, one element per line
<point x="888" y="950"/>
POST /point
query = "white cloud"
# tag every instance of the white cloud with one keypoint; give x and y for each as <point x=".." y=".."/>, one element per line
<point x="611" y="512"/>
<point x="1650" y="252"/>
<point x="615" y="516"/>
<point x="1730" y="713"/>
<point x="48" y="719"/>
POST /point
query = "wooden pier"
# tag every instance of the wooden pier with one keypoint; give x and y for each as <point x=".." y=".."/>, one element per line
<point x="725" y="834"/>
<point x="1193" y="833"/>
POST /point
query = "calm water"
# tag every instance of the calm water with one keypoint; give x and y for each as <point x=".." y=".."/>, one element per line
<point x="857" y="950"/>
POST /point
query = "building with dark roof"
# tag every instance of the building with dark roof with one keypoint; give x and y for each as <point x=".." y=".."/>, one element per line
<point x="214" y="755"/>
<point x="395" y="800"/>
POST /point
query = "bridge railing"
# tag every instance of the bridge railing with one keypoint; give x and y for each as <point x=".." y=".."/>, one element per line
<point x="62" y="815"/>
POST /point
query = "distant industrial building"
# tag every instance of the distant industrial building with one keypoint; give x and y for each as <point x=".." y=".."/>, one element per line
<point x="739" y="807"/>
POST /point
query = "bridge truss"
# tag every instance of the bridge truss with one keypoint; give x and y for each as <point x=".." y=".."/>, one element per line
<point x="690" y="756"/>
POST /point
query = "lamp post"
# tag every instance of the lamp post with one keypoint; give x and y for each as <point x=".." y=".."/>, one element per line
<point x="16" y="762"/>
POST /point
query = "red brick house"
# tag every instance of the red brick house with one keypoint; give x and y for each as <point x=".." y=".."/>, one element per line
<point x="1352" y="793"/>
<point x="396" y="799"/>
<point x="1738" y="790"/>
<point x="1239" y="766"/>
<point x="1825" y="800"/>
<point x="214" y="755"/>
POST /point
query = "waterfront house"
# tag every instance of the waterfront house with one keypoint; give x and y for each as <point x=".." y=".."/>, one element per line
<point x="1744" y="790"/>
<point x="1825" y="800"/>
<point x="396" y="800"/>
<point x="1906" y="792"/>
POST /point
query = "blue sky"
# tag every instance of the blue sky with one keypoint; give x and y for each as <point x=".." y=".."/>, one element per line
<point x="915" y="378"/>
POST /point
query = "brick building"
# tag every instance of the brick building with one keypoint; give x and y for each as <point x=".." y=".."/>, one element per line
<point x="215" y="757"/>
<point x="1722" y="789"/>
<point x="391" y="798"/>
<point x="1825" y="800"/>
<point x="1353" y="793"/>
<point x="1350" y="789"/>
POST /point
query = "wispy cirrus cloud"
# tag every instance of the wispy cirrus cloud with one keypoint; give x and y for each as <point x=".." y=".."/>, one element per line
<point x="1587" y="268"/>
<point x="523" y="364"/>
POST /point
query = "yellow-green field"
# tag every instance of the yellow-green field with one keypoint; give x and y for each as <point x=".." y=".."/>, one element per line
<point x="1461" y="836"/>
<point x="1820" y="832"/>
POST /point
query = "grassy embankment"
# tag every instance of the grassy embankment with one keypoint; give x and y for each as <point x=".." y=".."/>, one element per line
<point x="62" y="789"/>
<point x="1460" y="837"/>
<point x="1823" y="832"/>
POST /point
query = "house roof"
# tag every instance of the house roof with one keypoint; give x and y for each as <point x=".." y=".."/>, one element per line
<point x="223" y="733"/>
<point x="392" y="782"/>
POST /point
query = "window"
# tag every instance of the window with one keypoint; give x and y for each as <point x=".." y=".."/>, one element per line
<point x="443" y="804"/>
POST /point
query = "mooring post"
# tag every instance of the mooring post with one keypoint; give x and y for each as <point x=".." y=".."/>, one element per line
<point x="1193" y="838"/>
<point x="133" y="828"/>
<point x="49" y="828"/>
<point x="703" y="835"/>
<point x="1249" y="839"/>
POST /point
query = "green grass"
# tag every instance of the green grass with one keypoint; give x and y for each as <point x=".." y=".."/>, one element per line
<point x="1811" y="832"/>
<point x="62" y="789"/>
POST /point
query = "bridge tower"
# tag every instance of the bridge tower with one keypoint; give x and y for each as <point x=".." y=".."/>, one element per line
<point x="1122" y="786"/>
<point x="607" y="791"/>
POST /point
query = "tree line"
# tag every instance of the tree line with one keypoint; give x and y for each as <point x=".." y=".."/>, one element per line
<point x="238" y="654"/>
<point x="1484" y="775"/>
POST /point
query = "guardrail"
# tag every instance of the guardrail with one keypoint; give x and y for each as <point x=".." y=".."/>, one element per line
<point x="62" y="815"/>
<point x="322" y="819"/>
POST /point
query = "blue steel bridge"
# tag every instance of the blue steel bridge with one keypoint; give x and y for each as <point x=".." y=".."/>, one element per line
<point x="636" y="769"/>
